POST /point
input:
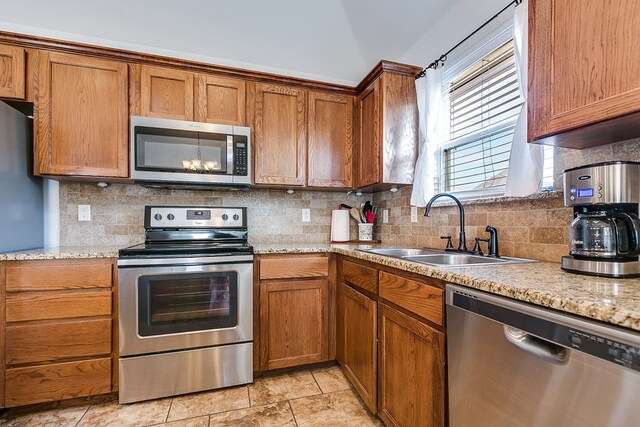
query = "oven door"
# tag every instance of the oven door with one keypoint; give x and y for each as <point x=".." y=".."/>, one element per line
<point x="177" y="304"/>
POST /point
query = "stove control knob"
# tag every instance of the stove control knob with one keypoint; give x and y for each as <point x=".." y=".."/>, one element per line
<point x="157" y="217"/>
<point x="225" y="217"/>
<point x="171" y="217"/>
<point x="236" y="217"/>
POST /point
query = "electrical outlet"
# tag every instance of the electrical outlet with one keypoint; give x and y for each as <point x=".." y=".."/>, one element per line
<point x="84" y="212"/>
<point x="414" y="214"/>
<point x="385" y="216"/>
<point x="306" y="215"/>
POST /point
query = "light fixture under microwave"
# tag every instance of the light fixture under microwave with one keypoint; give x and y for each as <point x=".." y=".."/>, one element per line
<point x="190" y="154"/>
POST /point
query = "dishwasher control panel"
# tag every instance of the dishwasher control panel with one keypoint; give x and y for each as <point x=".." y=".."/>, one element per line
<point x="605" y="348"/>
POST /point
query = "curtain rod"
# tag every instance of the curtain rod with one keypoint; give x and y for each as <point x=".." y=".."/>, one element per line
<point x="443" y="57"/>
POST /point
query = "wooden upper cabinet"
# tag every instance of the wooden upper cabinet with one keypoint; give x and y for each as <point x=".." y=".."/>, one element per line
<point x="166" y="93"/>
<point x="411" y="371"/>
<point x="279" y="134"/>
<point x="12" y="72"/>
<point x="220" y="100"/>
<point x="330" y="121"/>
<point x="388" y="124"/>
<point x="584" y="84"/>
<point x="368" y="163"/>
<point x="81" y="116"/>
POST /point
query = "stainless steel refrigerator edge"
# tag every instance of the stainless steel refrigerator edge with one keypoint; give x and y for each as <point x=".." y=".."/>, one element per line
<point x="514" y="364"/>
<point x="21" y="194"/>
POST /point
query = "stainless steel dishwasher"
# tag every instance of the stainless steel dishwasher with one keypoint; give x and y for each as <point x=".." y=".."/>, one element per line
<point x="515" y="364"/>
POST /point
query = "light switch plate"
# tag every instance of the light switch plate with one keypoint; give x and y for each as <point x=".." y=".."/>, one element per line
<point x="84" y="212"/>
<point x="414" y="214"/>
<point x="306" y="215"/>
<point x="385" y="216"/>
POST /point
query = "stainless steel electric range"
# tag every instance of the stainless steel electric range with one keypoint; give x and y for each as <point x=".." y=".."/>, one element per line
<point x="185" y="300"/>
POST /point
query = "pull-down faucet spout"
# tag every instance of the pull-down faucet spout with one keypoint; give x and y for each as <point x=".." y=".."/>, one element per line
<point x="462" y="245"/>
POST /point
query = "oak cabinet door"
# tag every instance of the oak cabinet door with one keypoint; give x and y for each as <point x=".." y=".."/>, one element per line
<point x="81" y="116"/>
<point x="220" y="100"/>
<point x="279" y="126"/>
<point x="411" y="371"/>
<point x="368" y="162"/>
<point x="330" y="121"/>
<point x="356" y="346"/>
<point x="583" y="69"/>
<point x="294" y="323"/>
<point x="12" y="72"/>
<point x="166" y="93"/>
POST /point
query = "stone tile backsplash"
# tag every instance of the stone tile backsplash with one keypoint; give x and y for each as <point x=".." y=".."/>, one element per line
<point x="117" y="212"/>
<point x="536" y="228"/>
<point x="531" y="228"/>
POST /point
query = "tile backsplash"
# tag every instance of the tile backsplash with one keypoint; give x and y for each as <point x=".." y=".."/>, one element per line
<point x="531" y="228"/>
<point x="117" y="212"/>
<point x="534" y="228"/>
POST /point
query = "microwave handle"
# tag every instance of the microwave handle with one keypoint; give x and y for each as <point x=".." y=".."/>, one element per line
<point x="633" y="227"/>
<point x="230" y="158"/>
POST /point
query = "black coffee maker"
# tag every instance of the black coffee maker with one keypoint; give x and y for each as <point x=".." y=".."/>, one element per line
<point x="604" y="238"/>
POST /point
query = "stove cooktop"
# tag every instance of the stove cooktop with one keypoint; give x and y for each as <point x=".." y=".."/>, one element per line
<point x="180" y="249"/>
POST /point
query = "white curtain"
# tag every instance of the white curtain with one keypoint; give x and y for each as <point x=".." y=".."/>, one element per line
<point x="525" y="164"/>
<point x="429" y="93"/>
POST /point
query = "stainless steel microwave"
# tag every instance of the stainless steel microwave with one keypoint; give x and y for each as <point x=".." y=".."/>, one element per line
<point x="189" y="154"/>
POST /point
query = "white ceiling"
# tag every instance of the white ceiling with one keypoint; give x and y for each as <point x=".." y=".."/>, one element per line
<point x="337" y="41"/>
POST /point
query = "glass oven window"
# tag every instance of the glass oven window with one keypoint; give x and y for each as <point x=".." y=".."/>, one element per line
<point x="169" y="150"/>
<point x="187" y="302"/>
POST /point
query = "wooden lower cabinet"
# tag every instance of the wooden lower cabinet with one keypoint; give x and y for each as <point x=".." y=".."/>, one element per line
<point x="294" y="323"/>
<point x="58" y="381"/>
<point x="411" y="371"/>
<point x="57" y="330"/>
<point x="356" y="346"/>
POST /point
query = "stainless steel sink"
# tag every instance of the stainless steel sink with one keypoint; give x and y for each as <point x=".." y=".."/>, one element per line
<point x="401" y="252"/>
<point x="438" y="258"/>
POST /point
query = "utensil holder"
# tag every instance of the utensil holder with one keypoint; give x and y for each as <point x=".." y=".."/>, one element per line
<point x="365" y="231"/>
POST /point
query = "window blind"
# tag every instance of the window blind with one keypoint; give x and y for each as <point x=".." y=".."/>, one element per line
<point x="484" y="106"/>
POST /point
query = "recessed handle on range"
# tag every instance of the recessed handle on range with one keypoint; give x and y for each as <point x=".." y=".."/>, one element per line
<point x="542" y="349"/>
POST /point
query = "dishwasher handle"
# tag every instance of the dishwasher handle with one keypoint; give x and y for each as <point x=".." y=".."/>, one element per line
<point x="538" y="347"/>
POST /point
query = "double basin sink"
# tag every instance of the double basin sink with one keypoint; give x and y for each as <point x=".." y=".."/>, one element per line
<point x="439" y="258"/>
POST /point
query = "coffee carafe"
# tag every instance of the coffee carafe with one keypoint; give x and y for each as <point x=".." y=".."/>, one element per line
<point x="604" y="234"/>
<point x="604" y="237"/>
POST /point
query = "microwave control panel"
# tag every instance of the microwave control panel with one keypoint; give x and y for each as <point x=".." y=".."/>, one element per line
<point x="240" y="156"/>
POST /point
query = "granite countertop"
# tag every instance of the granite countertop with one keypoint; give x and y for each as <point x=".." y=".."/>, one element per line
<point x="64" y="252"/>
<point x="615" y="301"/>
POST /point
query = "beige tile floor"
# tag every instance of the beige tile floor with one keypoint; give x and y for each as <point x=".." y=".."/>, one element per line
<point x="320" y="397"/>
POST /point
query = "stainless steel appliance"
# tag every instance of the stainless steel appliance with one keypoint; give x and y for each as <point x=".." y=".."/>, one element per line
<point x="604" y="238"/>
<point x="185" y="300"/>
<point x="514" y="364"/>
<point x="189" y="154"/>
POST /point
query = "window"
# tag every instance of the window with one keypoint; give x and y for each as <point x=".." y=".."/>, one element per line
<point x="484" y="103"/>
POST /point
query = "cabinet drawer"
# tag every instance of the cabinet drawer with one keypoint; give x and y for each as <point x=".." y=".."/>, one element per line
<point x="423" y="300"/>
<point x="294" y="267"/>
<point x="58" y="275"/>
<point x="59" y="381"/>
<point x="360" y="276"/>
<point x="48" y="342"/>
<point x="40" y="306"/>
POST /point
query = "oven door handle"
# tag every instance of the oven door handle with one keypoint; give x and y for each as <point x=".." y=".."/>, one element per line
<point x="144" y="262"/>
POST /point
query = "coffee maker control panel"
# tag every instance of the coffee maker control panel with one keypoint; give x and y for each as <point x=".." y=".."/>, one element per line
<point x="602" y="184"/>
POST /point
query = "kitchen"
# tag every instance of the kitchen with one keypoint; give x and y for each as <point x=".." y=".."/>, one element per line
<point x="153" y="163"/>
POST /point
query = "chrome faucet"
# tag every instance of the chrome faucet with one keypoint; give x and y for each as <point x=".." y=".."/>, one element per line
<point x="462" y="245"/>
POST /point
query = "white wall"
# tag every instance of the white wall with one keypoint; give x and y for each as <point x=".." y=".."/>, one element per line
<point x="464" y="17"/>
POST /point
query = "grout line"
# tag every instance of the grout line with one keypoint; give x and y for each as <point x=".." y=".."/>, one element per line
<point x="83" y="415"/>
<point x="292" y="413"/>
<point x="166" y="418"/>
<point x="249" y="396"/>
<point x="316" y="381"/>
